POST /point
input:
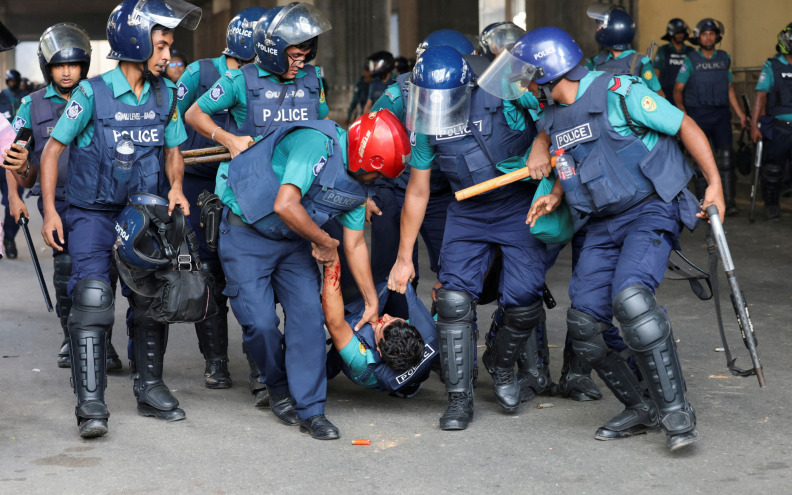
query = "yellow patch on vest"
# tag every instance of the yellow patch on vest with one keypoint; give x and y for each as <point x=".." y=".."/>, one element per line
<point x="322" y="97"/>
<point x="648" y="104"/>
<point x="648" y="75"/>
<point x="362" y="349"/>
<point x="175" y="115"/>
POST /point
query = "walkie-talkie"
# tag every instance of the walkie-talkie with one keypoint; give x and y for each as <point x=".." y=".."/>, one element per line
<point x="22" y="138"/>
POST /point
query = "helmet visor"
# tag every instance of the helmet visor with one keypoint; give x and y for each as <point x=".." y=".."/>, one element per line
<point x="169" y="13"/>
<point x="600" y="12"/>
<point x="437" y="111"/>
<point x="298" y="22"/>
<point x="7" y="39"/>
<point x="501" y="37"/>
<point x="507" y="77"/>
<point x="66" y="36"/>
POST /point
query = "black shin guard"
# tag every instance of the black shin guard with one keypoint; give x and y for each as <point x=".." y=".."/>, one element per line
<point x="213" y="332"/>
<point x="62" y="264"/>
<point x="725" y="164"/>
<point x="533" y="368"/>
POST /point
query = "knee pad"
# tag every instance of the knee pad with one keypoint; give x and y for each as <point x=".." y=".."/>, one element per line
<point x="63" y="265"/>
<point x="723" y="158"/>
<point x="772" y="173"/>
<point x="455" y="306"/>
<point x="524" y="317"/>
<point x="644" y="324"/>
<point x="586" y="334"/>
<point x="94" y="297"/>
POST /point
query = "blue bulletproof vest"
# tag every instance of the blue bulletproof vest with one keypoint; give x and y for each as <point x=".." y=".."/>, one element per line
<point x="6" y="106"/>
<point x="672" y="62"/>
<point x="93" y="182"/>
<point x="465" y="162"/>
<point x="387" y="379"/>
<point x="619" y="66"/>
<point x="708" y="85"/>
<point x="613" y="172"/>
<point x="44" y="114"/>
<point x="779" y="98"/>
<point x="300" y="101"/>
<point x="255" y="185"/>
<point x="208" y="75"/>
<point x="377" y="86"/>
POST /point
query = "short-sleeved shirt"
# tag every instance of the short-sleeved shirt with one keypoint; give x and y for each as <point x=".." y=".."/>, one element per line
<point x="391" y="100"/>
<point x="234" y="94"/>
<point x="22" y="118"/>
<point x="293" y="163"/>
<point x="687" y="68"/>
<point x="190" y="80"/>
<point x="647" y="71"/>
<point x="767" y="80"/>
<point x="82" y="127"/>
<point x="358" y="358"/>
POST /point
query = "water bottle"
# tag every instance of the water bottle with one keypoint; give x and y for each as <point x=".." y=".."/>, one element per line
<point x="565" y="165"/>
<point x="124" y="158"/>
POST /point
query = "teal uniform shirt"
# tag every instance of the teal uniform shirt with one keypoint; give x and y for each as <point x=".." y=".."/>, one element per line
<point x="23" y="114"/>
<point x="391" y="100"/>
<point x="358" y="358"/>
<point x="767" y="80"/>
<point x="293" y="161"/>
<point x="647" y="70"/>
<point x="687" y="68"/>
<point x="81" y="128"/>
<point x="234" y="94"/>
<point x="192" y="77"/>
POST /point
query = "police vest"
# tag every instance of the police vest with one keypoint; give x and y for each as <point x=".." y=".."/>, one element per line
<point x="438" y="183"/>
<point x="708" y="85"/>
<point x="377" y="86"/>
<point x="207" y="76"/>
<point x="779" y="97"/>
<point x="672" y="62"/>
<point x="387" y="379"/>
<point x="44" y="114"/>
<point x="619" y="65"/>
<point x="6" y="106"/>
<point x="91" y="181"/>
<point x="468" y="154"/>
<point x="271" y="104"/>
<point x="614" y="172"/>
<point x="255" y="185"/>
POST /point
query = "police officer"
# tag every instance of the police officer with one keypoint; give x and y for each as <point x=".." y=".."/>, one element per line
<point x="14" y="93"/>
<point x="671" y="56"/>
<point x="131" y="103"/>
<point x="381" y="65"/>
<point x="704" y="91"/>
<point x="359" y="95"/>
<point x="469" y="134"/>
<point x="773" y="109"/>
<point x="197" y="79"/>
<point x="10" y="228"/>
<point x="637" y="205"/>
<point x="615" y="32"/>
<point x="64" y="56"/>
<point x="496" y="37"/>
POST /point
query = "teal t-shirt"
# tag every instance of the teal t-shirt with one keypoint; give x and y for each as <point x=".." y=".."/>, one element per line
<point x="190" y="80"/>
<point x="391" y="100"/>
<point x="81" y="127"/>
<point x="687" y="68"/>
<point x="358" y="358"/>
<point x="233" y="94"/>
<point x="647" y="71"/>
<point x="293" y="163"/>
<point x="767" y="80"/>
<point x="22" y="118"/>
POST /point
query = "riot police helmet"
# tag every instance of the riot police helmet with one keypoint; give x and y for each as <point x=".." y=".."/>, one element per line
<point x="63" y="43"/>
<point x="615" y="27"/>
<point x="7" y="39"/>
<point x="674" y="27"/>
<point x="295" y="24"/>
<point x="708" y="24"/>
<point x="446" y="37"/>
<point x="497" y="36"/>
<point x="239" y="36"/>
<point x="381" y="63"/>
<point x="785" y="40"/>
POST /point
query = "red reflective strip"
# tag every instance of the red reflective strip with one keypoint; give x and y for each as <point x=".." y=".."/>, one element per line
<point x="616" y="85"/>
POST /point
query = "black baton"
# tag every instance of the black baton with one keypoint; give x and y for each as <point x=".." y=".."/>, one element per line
<point x="23" y="221"/>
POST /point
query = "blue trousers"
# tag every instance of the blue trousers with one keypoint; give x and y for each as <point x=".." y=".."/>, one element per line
<point x="192" y="186"/>
<point x="716" y="124"/>
<point x="93" y="255"/>
<point x="622" y="250"/>
<point x="292" y="361"/>
<point x="10" y="227"/>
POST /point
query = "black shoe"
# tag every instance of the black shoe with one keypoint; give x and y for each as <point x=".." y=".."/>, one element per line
<point x="10" y="248"/>
<point x="773" y="212"/>
<point x="578" y="387"/>
<point x="459" y="413"/>
<point x="319" y="427"/>
<point x="676" y="442"/>
<point x="504" y="383"/>
<point x="628" y="423"/>
<point x="92" y="428"/>
<point x="283" y="408"/>
<point x="216" y="374"/>
<point x="174" y="414"/>
<point x="63" y="356"/>
<point x="731" y="209"/>
<point x="261" y="398"/>
<point x="113" y="361"/>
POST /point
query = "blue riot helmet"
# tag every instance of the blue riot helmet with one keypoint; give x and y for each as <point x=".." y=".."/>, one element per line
<point x="438" y="99"/>
<point x="708" y="24"/>
<point x="446" y="37"/>
<point x="785" y="40"/>
<point x="545" y="55"/>
<point x="282" y="27"/>
<point x="239" y="36"/>
<point x="130" y="24"/>
<point x="381" y="63"/>
<point x="64" y="43"/>
<point x="674" y="27"/>
<point x="497" y="36"/>
<point x="7" y="39"/>
<point x="615" y="27"/>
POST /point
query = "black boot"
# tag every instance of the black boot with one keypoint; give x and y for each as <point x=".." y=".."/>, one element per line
<point x="113" y="359"/>
<point x="89" y="320"/>
<point x="455" y="313"/>
<point x="213" y="342"/>
<point x="62" y="264"/>
<point x="772" y="176"/>
<point x="533" y="368"/>
<point x="261" y="398"/>
<point x="576" y="382"/>
<point x="153" y="396"/>
<point x="728" y="179"/>
<point x="10" y="248"/>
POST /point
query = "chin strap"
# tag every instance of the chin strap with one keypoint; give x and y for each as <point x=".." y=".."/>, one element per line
<point x="155" y="82"/>
<point x="546" y="90"/>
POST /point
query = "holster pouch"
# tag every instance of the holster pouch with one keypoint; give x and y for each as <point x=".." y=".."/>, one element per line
<point x="211" y="210"/>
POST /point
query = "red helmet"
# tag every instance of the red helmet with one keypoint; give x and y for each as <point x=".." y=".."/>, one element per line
<point x="378" y="142"/>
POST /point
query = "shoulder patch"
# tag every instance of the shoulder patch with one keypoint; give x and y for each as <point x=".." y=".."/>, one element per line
<point x="74" y="110"/>
<point x="362" y="349"/>
<point x="648" y="75"/>
<point x="322" y="97"/>
<point x="683" y="69"/>
<point x="216" y="92"/>
<point x="318" y="166"/>
<point x="648" y="104"/>
<point x="26" y="100"/>
<point x="19" y="123"/>
<point x="762" y="76"/>
<point x="182" y="91"/>
<point x="233" y="73"/>
<point x="616" y="84"/>
<point x="175" y="115"/>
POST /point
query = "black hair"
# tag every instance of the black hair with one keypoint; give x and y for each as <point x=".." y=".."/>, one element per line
<point x="179" y="54"/>
<point x="402" y="346"/>
<point x="160" y="27"/>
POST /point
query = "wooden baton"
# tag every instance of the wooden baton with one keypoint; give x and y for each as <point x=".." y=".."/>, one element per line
<point x="489" y="185"/>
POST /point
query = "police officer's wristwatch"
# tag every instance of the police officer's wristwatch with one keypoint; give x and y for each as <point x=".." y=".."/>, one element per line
<point x="26" y="174"/>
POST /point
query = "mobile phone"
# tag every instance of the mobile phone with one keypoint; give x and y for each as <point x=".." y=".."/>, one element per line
<point x="22" y="137"/>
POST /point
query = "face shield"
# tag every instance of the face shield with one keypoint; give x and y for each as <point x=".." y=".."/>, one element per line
<point x="67" y="38"/>
<point x="7" y="39"/>
<point x="298" y="22"/>
<point x="169" y="13"/>
<point x="436" y="111"/>
<point x="600" y="12"/>
<point x="500" y="37"/>
<point x="507" y="77"/>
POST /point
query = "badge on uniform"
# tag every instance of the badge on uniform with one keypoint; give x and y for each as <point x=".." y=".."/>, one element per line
<point x="648" y="104"/>
<point x="762" y="76"/>
<point x="648" y="75"/>
<point x="319" y="166"/>
<point x="182" y="91"/>
<point x="19" y="122"/>
<point x="216" y="92"/>
<point x="412" y="138"/>
<point x="74" y="110"/>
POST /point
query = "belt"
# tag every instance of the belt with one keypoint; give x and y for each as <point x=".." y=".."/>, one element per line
<point x="236" y="220"/>
<point x="784" y="124"/>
